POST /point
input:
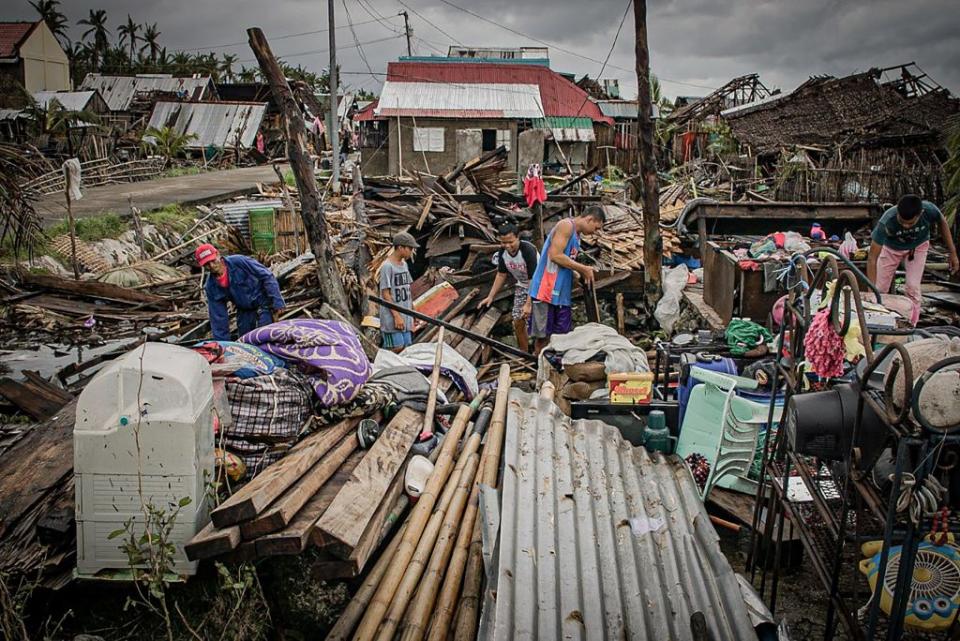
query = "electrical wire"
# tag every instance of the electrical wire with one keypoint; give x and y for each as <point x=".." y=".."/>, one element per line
<point x="275" y="38"/>
<point x="427" y="20"/>
<point x="586" y="95"/>
<point x="562" y="49"/>
<point x="319" y="51"/>
<point x="356" y="40"/>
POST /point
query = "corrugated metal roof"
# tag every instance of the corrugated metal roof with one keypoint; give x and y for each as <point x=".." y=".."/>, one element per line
<point x="601" y="540"/>
<point x="12" y="35"/>
<point x="219" y="124"/>
<point x="70" y="100"/>
<point x="564" y="129"/>
<point x="119" y="91"/>
<point x="620" y="108"/>
<point x="237" y="213"/>
<point x="470" y="100"/>
<point x="558" y="95"/>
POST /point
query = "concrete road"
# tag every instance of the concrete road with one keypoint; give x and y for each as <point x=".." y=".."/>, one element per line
<point x="153" y="194"/>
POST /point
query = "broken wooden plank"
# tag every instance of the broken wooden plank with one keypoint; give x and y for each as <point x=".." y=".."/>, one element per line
<point x="383" y="522"/>
<point x="357" y="503"/>
<point x="254" y="497"/>
<point x="212" y="541"/>
<point x="92" y="289"/>
<point x="293" y="539"/>
<point x="30" y="399"/>
<point x="282" y="511"/>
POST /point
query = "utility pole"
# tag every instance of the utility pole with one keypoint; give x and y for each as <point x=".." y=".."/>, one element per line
<point x="406" y="30"/>
<point x="334" y="128"/>
<point x="648" y="187"/>
<point x="311" y="209"/>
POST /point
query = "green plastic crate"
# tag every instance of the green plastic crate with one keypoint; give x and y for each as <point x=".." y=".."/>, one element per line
<point x="262" y="231"/>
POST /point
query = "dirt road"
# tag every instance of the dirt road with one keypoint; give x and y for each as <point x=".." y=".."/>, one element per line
<point x="152" y="194"/>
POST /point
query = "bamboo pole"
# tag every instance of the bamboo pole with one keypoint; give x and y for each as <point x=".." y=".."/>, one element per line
<point x="434" y="386"/>
<point x="428" y="547"/>
<point x="443" y="564"/>
<point x="469" y="606"/>
<point x="354" y="610"/>
<point x="416" y="523"/>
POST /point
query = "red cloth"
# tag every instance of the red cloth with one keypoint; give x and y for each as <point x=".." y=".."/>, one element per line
<point x="224" y="279"/>
<point x="779" y="238"/>
<point x="534" y="190"/>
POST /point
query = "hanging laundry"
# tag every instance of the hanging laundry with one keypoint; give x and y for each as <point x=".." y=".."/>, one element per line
<point x="533" y="188"/>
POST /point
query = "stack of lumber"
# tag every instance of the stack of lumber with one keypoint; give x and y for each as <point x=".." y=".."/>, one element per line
<point x="621" y="241"/>
<point x="326" y="493"/>
<point x="427" y="581"/>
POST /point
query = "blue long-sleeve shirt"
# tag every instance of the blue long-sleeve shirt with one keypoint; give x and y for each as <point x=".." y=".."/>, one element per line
<point x="251" y="287"/>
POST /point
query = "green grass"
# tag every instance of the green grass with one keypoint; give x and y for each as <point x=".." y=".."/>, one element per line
<point x="175" y="216"/>
<point x="174" y="172"/>
<point x="92" y="228"/>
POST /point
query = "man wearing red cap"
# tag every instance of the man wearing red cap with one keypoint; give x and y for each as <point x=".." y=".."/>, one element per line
<point x="241" y="280"/>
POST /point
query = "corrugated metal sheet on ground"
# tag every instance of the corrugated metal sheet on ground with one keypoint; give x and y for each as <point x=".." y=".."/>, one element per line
<point x="118" y="91"/>
<point x="69" y="100"/>
<point x="470" y="100"/>
<point x="219" y="124"/>
<point x="237" y="214"/>
<point x="599" y="540"/>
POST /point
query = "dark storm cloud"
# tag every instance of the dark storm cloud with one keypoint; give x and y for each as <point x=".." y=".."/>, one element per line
<point x="695" y="44"/>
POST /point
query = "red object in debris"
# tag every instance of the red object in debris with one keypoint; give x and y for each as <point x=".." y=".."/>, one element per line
<point x="534" y="190"/>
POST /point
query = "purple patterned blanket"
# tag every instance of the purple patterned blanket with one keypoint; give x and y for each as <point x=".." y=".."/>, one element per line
<point x="328" y="352"/>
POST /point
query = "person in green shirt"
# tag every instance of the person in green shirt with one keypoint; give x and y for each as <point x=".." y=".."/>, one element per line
<point x="903" y="236"/>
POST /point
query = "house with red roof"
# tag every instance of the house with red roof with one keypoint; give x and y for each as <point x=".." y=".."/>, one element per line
<point x="433" y="115"/>
<point x="31" y="58"/>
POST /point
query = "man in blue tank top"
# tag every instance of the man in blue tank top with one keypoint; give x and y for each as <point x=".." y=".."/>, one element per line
<point x="551" y="287"/>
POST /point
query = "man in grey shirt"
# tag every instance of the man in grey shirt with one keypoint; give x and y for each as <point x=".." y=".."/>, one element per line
<point x="395" y="281"/>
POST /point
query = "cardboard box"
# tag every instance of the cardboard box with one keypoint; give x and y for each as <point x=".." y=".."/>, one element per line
<point x="630" y="387"/>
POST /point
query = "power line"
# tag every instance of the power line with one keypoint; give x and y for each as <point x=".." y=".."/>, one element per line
<point x="273" y="38"/>
<point x="319" y="51"/>
<point x="562" y="49"/>
<point x="356" y="40"/>
<point x="586" y="96"/>
<point x="425" y="19"/>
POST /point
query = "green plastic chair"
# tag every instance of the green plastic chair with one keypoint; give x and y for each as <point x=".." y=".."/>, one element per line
<point x="724" y="429"/>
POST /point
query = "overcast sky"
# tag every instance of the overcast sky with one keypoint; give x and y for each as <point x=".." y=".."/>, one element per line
<point x="695" y="44"/>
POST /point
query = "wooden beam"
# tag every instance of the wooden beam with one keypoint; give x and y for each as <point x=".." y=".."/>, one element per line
<point x="352" y="511"/>
<point x="211" y="541"/>
<point x="282" y="511"/>
<point x="254" y="497"/>
<point x="294" y="538"/>
<point x="311" y="208"/>
<point x="92" y="289"/>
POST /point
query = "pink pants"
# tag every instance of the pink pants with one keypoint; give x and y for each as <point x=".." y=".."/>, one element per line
<point x="887" y="264"/>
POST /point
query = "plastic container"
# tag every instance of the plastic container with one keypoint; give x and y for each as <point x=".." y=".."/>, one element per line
<point x="263" y="236"/>
<point x="143" y="435"/>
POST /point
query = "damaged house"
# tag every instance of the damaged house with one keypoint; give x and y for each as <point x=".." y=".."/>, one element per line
<point x="868" y="136"/>
<point x="30" y="58"/>
<point x="433" y="115"/>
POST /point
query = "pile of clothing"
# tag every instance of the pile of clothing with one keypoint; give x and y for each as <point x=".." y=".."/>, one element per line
<point x="277" y="377"/>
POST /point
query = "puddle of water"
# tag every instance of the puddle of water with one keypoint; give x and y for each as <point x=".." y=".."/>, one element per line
<point x="48" y="359"/>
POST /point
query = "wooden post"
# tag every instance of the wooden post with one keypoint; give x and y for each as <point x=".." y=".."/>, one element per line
<point x="652" y="242"/>
<point x="137" y="227"/>
<point x="288" y="203"/>
<point x="331" y="285"/>
<point x="362" y="255"/>
<point x="334" y="98"/>
<point x="70" y="222"/>
<point x="538" y="235"/>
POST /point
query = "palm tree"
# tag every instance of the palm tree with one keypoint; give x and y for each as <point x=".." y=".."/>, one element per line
<point x="180" y="61"/>
<point x="129" y="34"/>
<point x="50" y="13"/>
<point x="248" y="74"/>
<point x="97" y="23"/>
<point x="151" y="42"/>
<point x="165" y="142"/>
<point x="226" y="67"/>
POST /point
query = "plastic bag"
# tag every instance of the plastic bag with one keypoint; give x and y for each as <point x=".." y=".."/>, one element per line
<point x="668" y="309"/>
<point x="849" y="245"/>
